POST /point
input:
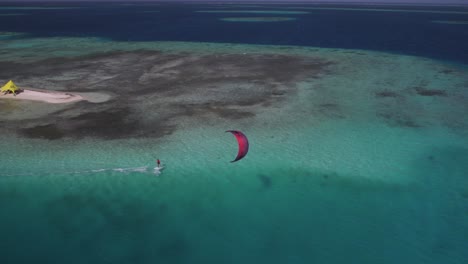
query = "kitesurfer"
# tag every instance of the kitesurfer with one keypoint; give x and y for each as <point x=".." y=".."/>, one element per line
<point x="158" y="162"/>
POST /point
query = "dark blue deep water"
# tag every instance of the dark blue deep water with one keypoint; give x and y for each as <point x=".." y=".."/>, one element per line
<point x="400" y="32"/>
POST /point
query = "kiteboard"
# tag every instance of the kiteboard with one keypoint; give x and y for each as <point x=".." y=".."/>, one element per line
<point x="158" y="170"/>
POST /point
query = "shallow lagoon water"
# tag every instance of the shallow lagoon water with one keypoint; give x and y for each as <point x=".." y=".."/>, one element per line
<point x="360" y="158"/>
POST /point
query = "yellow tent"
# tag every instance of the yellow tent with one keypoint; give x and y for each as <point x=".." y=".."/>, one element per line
<point x="9" y="87"/>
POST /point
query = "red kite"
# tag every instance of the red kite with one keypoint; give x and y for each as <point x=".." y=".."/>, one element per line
<point x="243" y="144"/>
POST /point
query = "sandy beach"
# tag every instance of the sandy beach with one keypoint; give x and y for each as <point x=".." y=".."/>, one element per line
<point x="55" y="97"/>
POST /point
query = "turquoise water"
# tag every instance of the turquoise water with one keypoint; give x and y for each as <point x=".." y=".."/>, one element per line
<point x="292" y="207"/>
<point x="356" y="156"/>
<point x="313" y="188"/>
<point x="332" y="176"/>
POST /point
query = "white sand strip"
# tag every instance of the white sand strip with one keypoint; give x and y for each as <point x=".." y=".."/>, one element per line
<point x="55" y="97"/>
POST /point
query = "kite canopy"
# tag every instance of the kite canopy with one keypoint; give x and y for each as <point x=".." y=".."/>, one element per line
<point x="243" y="144"/>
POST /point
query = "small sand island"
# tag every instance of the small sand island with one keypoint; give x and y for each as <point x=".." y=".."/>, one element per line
<point x="44" y="96"/>
<point x="11" y="91"/>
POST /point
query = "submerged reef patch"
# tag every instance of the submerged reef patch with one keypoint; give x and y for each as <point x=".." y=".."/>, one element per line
<point x="10" y="35"/>
<point x="384" y="94"/>
<point x="429" y="92"/>
<point x="400" y="10"/>
<point x="153" y="90"/>
<point x="451" y="22"/>
<point x="37" y="7"/>
<point x="13" y="14"/>
<point x="50" y="132"/>
<point x="398" y="119"/>
<point x="257" y="19"/>
<point x="275" y="12"/>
